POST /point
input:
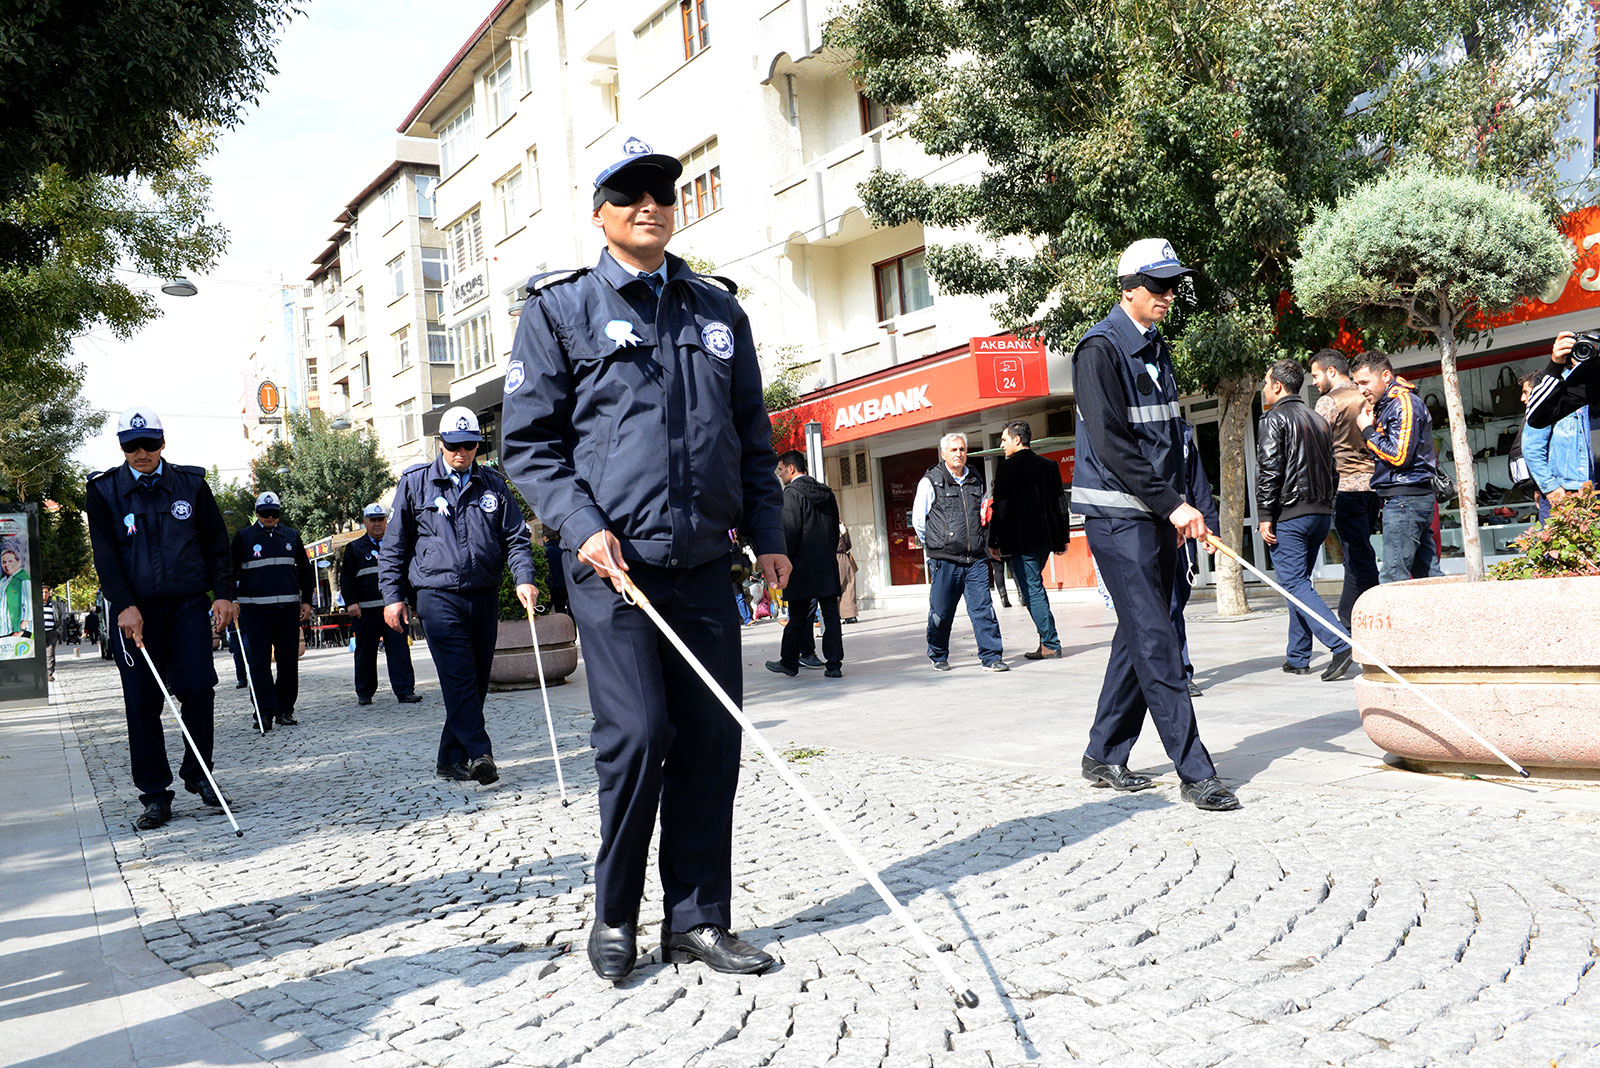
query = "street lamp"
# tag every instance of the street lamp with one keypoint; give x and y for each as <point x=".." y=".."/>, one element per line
<point x="179" y="286"/>
<point x="340" y="422"/>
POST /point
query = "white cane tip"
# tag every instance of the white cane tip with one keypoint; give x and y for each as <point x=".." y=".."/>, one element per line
<point x="238" y="834"/>
<point x="967" y="998"/>
<point x="1524" y="773"/>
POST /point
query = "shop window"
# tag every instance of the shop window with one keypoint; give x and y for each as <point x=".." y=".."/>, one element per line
<point x="902" y="285"/>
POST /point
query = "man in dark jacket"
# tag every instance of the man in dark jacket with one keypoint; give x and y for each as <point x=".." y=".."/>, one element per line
<point x="1296" y="480"/>
<point x="1029" y="523"/>
<point x="273" y="576"/>
<point x="811" y="531"/>
<point x="1565" y="385"/>
<point x="1399" y="432"/>
<point x="947" y="514"/>
<point x="358" y="582"/>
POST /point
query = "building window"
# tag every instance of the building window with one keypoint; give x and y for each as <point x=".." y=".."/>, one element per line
<point x="392" y="212"/>
<point x="397" y="276"/>
<point x="365" y="367"/>
<point x="844" y="470"/>
<point x="696" y="30"/>
<point x="501" y="87"/>
<point x="701" y="191"/>
<point x="456" y="143"/>
<point x="535" y="202"/>
<point x="439" y="399"/>
<point x="358" y="326"/>
<point x="435" y="268"/>
<point x="425" y="184"/>
<point x="408" y="420"/>
<point x="611" y="100"/>
<point x="508" y="196"/>
<point x="873" y="114"/>
<point x="438" y="344"/>
<point x="308" y="329"/>
<point x="902" y="284"/>
<point x="402" y="347"/>
<point x="311" y="374"/>
<point x="465" y="241"/>
<point x="353" y="250"/>
<point x="470" y="345"/>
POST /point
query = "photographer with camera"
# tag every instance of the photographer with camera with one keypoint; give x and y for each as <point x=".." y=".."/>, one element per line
<point x="1570" y="381"/>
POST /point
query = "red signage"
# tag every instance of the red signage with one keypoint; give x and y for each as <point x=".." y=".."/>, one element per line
<point x="1581" y="288"/>
<point x="923" y="394"/>
<point x="1010" y="366"/>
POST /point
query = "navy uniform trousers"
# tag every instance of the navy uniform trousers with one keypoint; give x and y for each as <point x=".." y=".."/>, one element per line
<point x="461" y="626"/>
<point x="177" y="635"/>
<point x="1138" y="561"/>
<point x="370" y="630"/>
<point x="662" y="739"/>
<point x="273" y="630"/>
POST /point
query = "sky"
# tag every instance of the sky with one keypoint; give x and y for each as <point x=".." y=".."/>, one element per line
<point x="348" y="72"/>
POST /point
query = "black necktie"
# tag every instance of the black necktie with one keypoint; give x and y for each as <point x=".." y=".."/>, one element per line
<point x="652" y="280"/>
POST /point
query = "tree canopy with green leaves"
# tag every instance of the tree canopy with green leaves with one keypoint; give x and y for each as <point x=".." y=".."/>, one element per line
<point x="1221" y="125"/>
<point x="331" y="474"/>
<point x="1430" y="253"/>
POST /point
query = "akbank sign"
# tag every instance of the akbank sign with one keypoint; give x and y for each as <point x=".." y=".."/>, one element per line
<point x="890" y="404"/>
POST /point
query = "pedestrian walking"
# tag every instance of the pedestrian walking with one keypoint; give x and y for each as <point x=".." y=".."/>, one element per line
<point x="846" y="561"/>
<point x="1399" y="433"/>
<point x="457" y="527"/>
<point x="1131" y="486"/>
<point x="1030" y="522"/>
<point x="634" y="423"/>
<point x="160" y="547"/>
<point x="358" y="582"/>
<point x="1296" y="481"/>
<point x="91" y="626"/>
<point x="556" y="568"/>
<point x="54" y="611"/>
<point x="947" y="514"/>
<point x="810" y="530"/>
<point x="273" y="576"/>
<point x="1355" y="506"/>
<point x="1189" y="550"/>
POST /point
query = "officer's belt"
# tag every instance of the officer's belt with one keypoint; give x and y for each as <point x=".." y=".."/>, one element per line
<point x="370" y="604"/>
<point x="278" y="598"/>
<point x="373" y="570"/>
<point x="1107" y="498"/>
<point x="267" y="561"/>
<point x="1154" y="413"/>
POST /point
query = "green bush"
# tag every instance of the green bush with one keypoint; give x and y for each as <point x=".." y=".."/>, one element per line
<point x="510" y="607"/>
<point x="1564" y="546"/>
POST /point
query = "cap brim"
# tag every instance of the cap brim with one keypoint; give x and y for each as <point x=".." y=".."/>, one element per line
<point x="456" y="438"/>
<point x="144" y="432"/>
<point x="666" y="163"/>
<point x="1167" y="270"/>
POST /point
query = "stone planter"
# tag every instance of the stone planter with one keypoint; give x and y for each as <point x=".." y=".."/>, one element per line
<point x="1517" y="661"/>
<point x="514" y="667"/>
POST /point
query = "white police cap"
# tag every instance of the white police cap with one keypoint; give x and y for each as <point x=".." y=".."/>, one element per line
<point x="459" y="425"/>
<point x="375" y="511"/>
<point x="138" y="423"/>
<point x="1152" y="256"/>
<point x="637" y="153"/>
<point x="268" y="502"/>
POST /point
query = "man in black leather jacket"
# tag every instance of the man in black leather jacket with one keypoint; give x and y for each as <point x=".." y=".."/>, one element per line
<point x="1295" y="485"/>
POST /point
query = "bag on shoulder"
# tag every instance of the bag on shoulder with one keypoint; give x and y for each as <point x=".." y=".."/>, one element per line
<point x="1444" y="487"/>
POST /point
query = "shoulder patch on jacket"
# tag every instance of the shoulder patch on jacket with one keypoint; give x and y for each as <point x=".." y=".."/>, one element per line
<point x="190" y="469"/>
<point x="416" y="467"/>
<point x="544" y="281"/>
<point x="102" y="474"/>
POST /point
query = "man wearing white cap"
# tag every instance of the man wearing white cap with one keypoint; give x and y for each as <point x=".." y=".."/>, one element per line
<point x="159" y="547"/>
<point x="358" y="582"/>
<point x="274" y="578"/>
<point x="457" y="528"/>
<point x="1131" y="486"/>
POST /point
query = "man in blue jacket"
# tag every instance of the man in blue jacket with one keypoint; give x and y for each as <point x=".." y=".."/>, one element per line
<point x="1399" y="432"/>
<point x="1131" y="487"/>
<point x="273" y="576"/>
<point x="634" y="424"/>
<point x="456" y="529"/>
<point x="358" y="582"/>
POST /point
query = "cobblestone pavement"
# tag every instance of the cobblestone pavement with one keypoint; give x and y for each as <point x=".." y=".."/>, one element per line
<point x="405" y="921"/>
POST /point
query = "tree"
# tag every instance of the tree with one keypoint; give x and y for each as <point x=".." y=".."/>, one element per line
<point x="1432" y="253"/>
<point x="234" y="499"/>
<point x="332" y="475"/>
<point x="1222" y="126"/>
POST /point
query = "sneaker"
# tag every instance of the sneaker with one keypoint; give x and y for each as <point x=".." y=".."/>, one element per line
<point x="809" y="660"/>
<point x="1338" y="666"/>
<point x="780" y="668"/>
<point x="997" y="665"/>
<point x="941" y="665"/>
<point x="1195" y="691"/>
<point x="832" y="672"/>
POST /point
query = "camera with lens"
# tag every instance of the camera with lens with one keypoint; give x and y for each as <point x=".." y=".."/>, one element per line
<point x="1585" y="346"/>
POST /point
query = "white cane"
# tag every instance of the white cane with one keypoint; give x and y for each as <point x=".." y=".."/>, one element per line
<point x="244" y="658"/>
<point x="635" y="596"/>
<point x="1367" y="655"/>
<point x="188" y="738"/>
<point x="549" y="722"/>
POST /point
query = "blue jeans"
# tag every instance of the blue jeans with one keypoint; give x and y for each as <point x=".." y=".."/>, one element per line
<point x="950" y="583"/>
<point x="743" y="605"/>
<point x="1293" y="558"/>
<point x="1355" y="517"/>
<point x="1408" y="550"/>
<point x="1029" y="568"/>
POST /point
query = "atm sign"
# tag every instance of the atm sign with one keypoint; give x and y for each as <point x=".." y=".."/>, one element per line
<point x="1010" y="366"/>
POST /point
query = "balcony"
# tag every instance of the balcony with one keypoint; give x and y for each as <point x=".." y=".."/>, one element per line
<point x="819" y="196"/>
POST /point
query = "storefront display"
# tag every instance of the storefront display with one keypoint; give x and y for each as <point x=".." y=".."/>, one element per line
<point x="22" y="655"/>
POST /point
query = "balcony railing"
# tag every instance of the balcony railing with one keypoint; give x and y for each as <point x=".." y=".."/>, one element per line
<point x="818" y="195"/>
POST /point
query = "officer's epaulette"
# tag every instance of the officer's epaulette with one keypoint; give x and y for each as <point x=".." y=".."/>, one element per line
<point x="552" y="278"/>
<point x="101" y="474"/>
<point x="416" y="467"/>
<point x="727" y="283"/>
<point x="190" y="469"/>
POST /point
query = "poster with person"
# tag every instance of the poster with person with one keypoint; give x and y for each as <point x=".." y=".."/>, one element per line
<point x="22" y="654"/>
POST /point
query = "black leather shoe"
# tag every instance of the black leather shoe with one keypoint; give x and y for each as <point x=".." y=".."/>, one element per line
<point x="612" y="950"/>
<point x="154" y="815"/>
<point x="1338" y="666"/>
<point x="482" y="770"/>
<point x="832" y="672"/>
<point x="941" y="665"/>
<point x="1295" y="669"/>
<point x="455" y="772"/>
<point x="261" y="725"/>
<point x="287" y="719"/>
<point x="241" y="684"/>
<point x="809" y="660"/>
<point x="409" y="699"/>
<point x="1042" y="653"/>
<point x="852" y="619"/>
<point x="208" y="796"/>
<point x="718" y="948"/>
<point x="363" y="700"/>
<point x="1116" y="776"/>
<point x="1195" y="691"/>
<point x="779" y="667"/>
<point x="1209" y="794"/>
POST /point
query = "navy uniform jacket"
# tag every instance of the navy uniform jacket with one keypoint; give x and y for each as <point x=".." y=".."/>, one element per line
<point x="642" y="417"/>
<point x="270" y="567"/>
<point x="448" y="537"/>
<point x="358" y="575"/>
<point x="157" y="537"/>
<point x="1130" y="437"/>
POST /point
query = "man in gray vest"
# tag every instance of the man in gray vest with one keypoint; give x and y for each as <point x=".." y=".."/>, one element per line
<point x="947" y="514"/>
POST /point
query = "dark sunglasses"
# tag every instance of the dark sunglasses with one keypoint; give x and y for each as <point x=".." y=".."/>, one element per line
<point x="271" y="513"/>
<point x="627" y="193"/>
<point x="458" y="447"/>
<point x="147" y="444"/>
<point x="1159" y="286"/>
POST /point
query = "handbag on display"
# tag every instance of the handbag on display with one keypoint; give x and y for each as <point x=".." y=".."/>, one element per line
<point x="1508" y="438"/>
<point x="1506" y="396"/>
<point x="1436" y="409"/>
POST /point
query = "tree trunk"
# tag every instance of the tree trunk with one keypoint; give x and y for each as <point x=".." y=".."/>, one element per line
<point x="1233" y="495"/>
<point x="1466" y="476"/>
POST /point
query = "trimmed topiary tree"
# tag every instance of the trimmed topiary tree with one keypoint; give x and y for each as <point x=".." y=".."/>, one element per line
<point x="1431" y="253"/>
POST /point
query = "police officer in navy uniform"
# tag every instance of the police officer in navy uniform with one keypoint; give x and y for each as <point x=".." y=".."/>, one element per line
<point x="1131" y="486"/>
<point x="273" y="576"/>
<point x="456" y="528"/>
<point x="635" y="426"/>
<point x="159" y="546"/>
<point x="358" y="581"/>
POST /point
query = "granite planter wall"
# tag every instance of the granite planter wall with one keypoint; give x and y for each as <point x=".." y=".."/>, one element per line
<point x="514" y="666"/>
<point x="1518" y="661"/>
